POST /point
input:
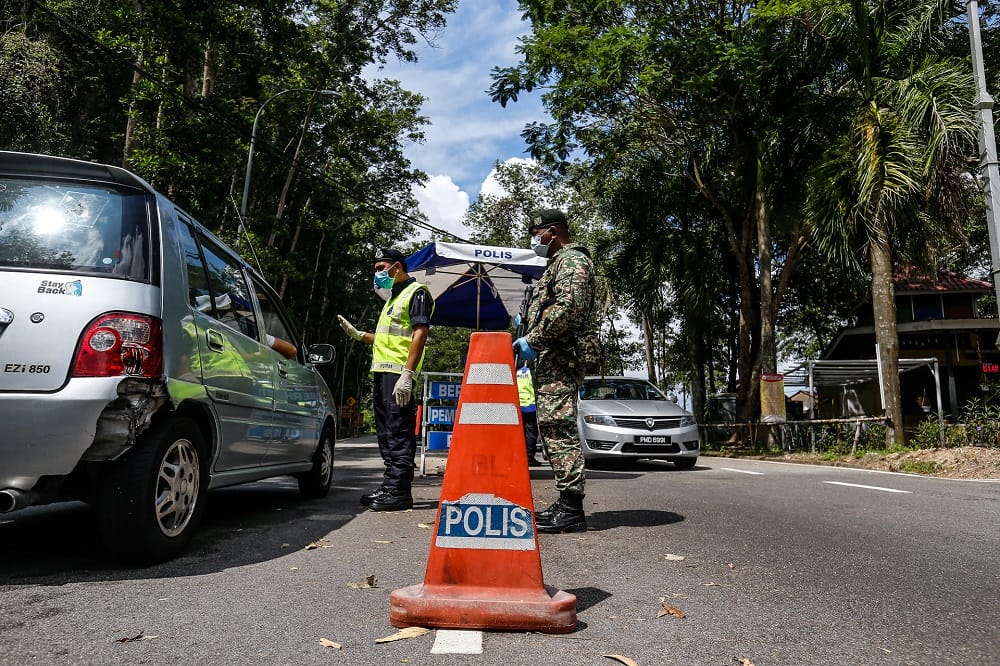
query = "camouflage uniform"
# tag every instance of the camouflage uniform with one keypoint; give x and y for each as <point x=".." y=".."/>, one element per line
<point x="561" y="310"/>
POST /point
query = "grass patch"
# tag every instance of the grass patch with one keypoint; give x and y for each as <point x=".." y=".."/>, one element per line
<point x="918" y="467"/>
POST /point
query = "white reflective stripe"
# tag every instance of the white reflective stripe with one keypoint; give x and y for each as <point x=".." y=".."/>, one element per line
<point x="490" y="373"/>
<point x="488" y="413"/>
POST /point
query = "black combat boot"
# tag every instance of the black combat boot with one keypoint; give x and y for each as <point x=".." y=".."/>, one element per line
<point x="392" y="500"/>
<point x="566" y="515"/>
<point x="367" y="498"/>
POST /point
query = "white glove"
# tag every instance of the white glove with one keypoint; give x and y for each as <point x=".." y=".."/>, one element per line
<point x="349" y="328"/>
<point x="403" y="390"/>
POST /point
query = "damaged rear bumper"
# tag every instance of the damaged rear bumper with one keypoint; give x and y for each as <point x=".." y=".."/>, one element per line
<point x="90" y="418"/>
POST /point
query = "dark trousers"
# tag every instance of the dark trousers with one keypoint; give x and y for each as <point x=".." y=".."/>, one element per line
<point x="395" y="427"/>
<point x="530" y="432"/>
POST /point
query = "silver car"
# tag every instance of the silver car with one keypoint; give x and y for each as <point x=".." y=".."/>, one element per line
<point x="626" y="417"/>
<point x="143" y="361"/>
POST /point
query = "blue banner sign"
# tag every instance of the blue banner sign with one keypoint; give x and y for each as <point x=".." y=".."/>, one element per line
<point x="439" y="440"/>
<point x="486" y="522"/>
<point x="442" y="415"/>
<point x="445" y="390"/>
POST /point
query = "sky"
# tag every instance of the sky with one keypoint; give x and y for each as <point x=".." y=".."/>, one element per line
<point x="468" y="133"/>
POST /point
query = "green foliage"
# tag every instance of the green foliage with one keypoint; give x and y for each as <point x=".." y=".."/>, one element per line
<point x="918" y="466"/>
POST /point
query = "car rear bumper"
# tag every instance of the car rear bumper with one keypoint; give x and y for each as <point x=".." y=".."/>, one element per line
<point x="46" y="434"/>
<point x="607" y="442"/>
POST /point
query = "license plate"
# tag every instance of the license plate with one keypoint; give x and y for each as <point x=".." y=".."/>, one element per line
<point x="652" y="439"/>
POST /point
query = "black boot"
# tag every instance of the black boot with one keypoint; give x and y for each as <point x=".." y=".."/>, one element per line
<point x="392" y="500"/>
<point x="566" y="515"/>
<point x="367" y="498"/>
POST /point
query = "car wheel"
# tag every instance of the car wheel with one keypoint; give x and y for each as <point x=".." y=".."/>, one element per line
<point x="154" y="499"/>
<point x="315" y="483"/>
<point x="685" y="463"/>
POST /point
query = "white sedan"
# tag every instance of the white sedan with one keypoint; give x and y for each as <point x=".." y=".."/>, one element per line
<point x="629" y="418"/>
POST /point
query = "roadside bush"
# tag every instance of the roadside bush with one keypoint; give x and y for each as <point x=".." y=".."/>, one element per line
<point x="982" y="423"/>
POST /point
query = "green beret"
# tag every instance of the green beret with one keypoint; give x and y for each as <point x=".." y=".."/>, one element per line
<point x="544" y="217"/>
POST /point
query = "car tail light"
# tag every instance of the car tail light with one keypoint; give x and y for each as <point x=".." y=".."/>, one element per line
<point x="118" y="344"/>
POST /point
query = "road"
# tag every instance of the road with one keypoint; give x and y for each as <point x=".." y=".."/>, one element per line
<point x="782" y="565"/>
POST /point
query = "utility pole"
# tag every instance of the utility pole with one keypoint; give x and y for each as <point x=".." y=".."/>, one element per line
<point x="989" y="168"/>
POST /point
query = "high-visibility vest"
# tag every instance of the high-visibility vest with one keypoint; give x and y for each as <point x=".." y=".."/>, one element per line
<point x="394" y="333"/>
<point x="525" y="390"/>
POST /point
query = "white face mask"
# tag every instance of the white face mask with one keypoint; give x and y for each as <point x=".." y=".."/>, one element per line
<point x="540" y="249"/>
<point x="383" y="292"/>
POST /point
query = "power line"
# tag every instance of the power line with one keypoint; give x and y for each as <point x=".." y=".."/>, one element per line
<point x="198" y="107"/>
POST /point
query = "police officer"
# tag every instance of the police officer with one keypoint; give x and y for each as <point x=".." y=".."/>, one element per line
<point x="561" y="314"/>
<point x="397" y="355"/>
<point x="529" y="412"/>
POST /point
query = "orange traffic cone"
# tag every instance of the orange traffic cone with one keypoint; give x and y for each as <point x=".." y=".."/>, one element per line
<point x="484" y="569"/>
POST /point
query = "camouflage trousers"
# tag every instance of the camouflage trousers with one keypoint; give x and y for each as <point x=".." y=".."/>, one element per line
<point x="558" y="386"/>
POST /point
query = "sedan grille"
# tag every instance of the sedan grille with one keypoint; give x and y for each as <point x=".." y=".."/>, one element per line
<point x="644" y="423"/>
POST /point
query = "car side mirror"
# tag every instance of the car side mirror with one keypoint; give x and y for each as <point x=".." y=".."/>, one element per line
<point x="322" y="354"/>
<point x="672" y="397"/>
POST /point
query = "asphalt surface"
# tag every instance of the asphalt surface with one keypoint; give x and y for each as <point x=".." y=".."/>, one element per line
<point x="782" y="564"/>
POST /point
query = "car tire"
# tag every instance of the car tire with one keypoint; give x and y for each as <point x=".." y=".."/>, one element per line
<point x="153" y="500"/>
<point x="685" y="463"/>
<point x="315" y="483"/>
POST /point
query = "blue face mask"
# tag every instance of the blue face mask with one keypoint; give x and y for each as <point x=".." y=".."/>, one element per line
<point x="383" y="280"/>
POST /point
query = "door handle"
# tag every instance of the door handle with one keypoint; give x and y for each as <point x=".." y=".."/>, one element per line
<point x="282" y="370"/>
<point x="215" y="340"/>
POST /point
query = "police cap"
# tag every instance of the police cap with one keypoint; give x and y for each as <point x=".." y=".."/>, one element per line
<point x="390" y="254"/>
<point x="544" y="217"/>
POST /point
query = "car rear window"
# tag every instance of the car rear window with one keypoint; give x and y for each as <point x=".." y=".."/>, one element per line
<point x="74" y="228"/>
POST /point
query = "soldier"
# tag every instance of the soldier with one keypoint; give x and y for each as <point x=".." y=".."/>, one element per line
<point x="561" y="335"/>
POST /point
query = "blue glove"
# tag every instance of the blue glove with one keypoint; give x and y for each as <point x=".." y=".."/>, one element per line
<point x="517" y="320"/>
<point x="524" y="350"/>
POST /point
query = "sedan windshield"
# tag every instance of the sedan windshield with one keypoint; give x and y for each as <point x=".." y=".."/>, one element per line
<point x="619" y="389"/>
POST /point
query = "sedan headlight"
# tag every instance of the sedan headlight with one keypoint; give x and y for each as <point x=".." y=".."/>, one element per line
<point x="599" y="419"/>
<point x="687" y="421"/>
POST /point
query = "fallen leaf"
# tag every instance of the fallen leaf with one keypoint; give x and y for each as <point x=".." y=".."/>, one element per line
<point x="313" y="545"/>
<point x="743" y="661"/>
<point x="886" y="650"/>
<point x="382" y="541"/>
<point x="286" y="545"/>
<point x="623" y="659"/>
<point x="674" y="558"/>
<point x="731" y="566"/>
<point x="326" y="642"/>
<point x="409" y="632"/>
<point x="141" y="636"/>
<point x="710" y="584"/>
<point x="309" y="546"/>
<point x="426" y="526"/>
<point x="295" y="568"/>
<point x="371" y="581"/>
<point x="670" y="610"/>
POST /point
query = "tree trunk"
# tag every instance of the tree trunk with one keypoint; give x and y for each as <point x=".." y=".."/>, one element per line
<point x="647" y="335"/>
<point x="884" y="309"/>
<point x="290" y="177"/>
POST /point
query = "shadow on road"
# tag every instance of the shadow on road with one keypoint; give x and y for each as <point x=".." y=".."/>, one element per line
<point x="606" y="520"/>
<point x="59" y="543"/>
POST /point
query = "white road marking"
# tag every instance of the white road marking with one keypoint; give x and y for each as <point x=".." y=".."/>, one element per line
<point x="742" y="471"/>
<point x="453" y="641"/>
<point x="858" y="485"/>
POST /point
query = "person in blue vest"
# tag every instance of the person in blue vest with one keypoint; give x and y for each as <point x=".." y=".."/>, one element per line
<point x="397" y="355"/>
<point x="529" y="413"/>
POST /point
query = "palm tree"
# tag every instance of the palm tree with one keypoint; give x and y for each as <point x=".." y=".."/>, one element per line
<point x="906" y="124"/>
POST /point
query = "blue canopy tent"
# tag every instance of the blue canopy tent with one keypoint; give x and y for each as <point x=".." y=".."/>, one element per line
<point x="475" y="286"/>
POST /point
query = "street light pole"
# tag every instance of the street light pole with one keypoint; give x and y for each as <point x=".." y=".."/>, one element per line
<point x="989" y="168"/>
<point x="253" y="140"/>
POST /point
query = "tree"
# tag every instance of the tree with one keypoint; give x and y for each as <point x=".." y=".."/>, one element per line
<point x="901" y="111"/>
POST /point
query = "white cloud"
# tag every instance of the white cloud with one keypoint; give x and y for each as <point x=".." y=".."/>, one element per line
<point x="444" y="204"/>
<point x="491" y="186"/>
